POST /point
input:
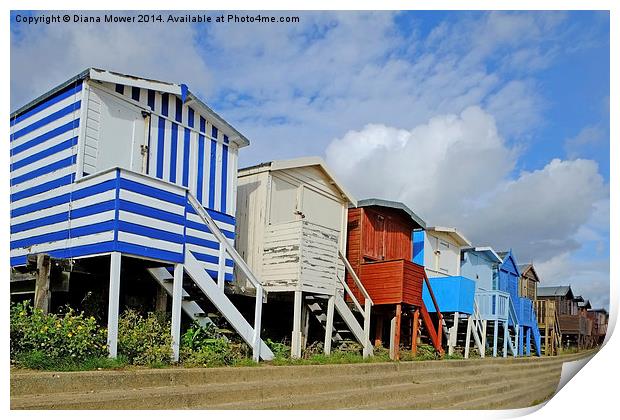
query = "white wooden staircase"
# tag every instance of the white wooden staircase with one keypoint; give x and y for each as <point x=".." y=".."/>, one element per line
<point x="214" y="291"/>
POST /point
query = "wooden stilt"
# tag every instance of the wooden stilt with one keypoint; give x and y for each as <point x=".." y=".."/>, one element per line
<point x="484" y="337"/>
<point x="296" y="334"/>
<point x="414" y="332"/>
<point x="495" y="328"/>
<point x="453" y="334"/>
<point x="161" y="300"/>
<point x="468" y="336"/>
<point x="392" y="334"/>
<point x="42" y="283"/>
<point x="506" y="338"/>
<point x="329" y="325"/>
<point x="113" y="302"/>
<point x="397" y="332"/>
<point x="528" y="338"/>
<point x="305" y="326"/>
<point x="379" y="331"/>
<point x="177" y="297"/>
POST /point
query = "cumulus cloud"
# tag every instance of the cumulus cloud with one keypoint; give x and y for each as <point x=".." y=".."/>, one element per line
<point x="456" y="170"/>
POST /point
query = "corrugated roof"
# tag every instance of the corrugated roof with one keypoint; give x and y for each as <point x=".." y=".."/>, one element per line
<point x="394" y="205"/>
<point x="548" y="291"/>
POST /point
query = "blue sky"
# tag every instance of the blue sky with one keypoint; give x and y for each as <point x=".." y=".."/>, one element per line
<point x="496" y="123"/>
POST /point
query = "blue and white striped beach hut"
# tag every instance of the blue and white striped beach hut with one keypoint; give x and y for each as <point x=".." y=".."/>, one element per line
<point x="107" y="163"/>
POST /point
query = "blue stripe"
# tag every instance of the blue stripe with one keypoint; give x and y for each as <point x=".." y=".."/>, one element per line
<point x="135" y="93"/>
<point x="179" y="110"/>
<point x="224" y="178"/>
<point x="202" y="242"/>
<point x="203" y="125"/>
<point x="173" y="152"/>
<point x="213" y="274"/>
<point x="201" y="166"/>
<point x="64" y="234"/>
<point x="186" y="162"/>
<point x="150" y="100"/>
<point x="120" y="88"/>
<point x="190" y="116"/>
<point x="64" y="216"/>
<point x="151" y="212"/>
<point x="46" y="136"/>
<point x="214" y="132"/>
<point x="46" y="120"/>
<point x="63" y="94"/>
<point x="161" y="128"/>
<point x="164" y="104"/>
<point x="215" y="215"/>
<point x="226" y="139"/>
<point x="67" y="144"/>
<point x="212" y="176"/>
<point x="47" y="186"/>
<point x="63" y="163"/>
<point x="149" y="232"/>
<point x="64" y="198"/>
<point x="204" y="228"/>
<point x="149" y="252"/>
<point x="211" y="259"/>
<point x="153" y="192"/>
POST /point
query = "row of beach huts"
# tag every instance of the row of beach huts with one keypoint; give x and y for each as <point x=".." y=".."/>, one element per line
<point x="126" y="190"/>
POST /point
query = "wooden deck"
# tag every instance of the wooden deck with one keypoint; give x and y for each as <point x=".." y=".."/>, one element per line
<point x="393" y="282"/>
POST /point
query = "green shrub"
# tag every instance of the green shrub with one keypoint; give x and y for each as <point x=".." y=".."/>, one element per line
<point x="144" y="341"/>
<point x="280" y="350"/>
<point x="204" y="346"/>
<point x="68" y="335"/>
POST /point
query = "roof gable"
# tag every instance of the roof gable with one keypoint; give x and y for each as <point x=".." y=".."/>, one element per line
<point x="509" y="262"/>
<point x="179" y="90"/>
<point x="417" y="221"/>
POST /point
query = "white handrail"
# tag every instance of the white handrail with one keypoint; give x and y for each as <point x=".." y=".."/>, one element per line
<point x="356" y="279"/>
<point x="367" y="301"/>
<point x="241" y="264"/>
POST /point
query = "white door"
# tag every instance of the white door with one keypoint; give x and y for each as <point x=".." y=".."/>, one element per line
<point x="123" y="135"/>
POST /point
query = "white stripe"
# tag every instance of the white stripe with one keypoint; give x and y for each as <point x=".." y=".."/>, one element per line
<point x="77" y="204"/>
<point x="42" y="162"/>
<point x="180" y="154"/>
<point x="153" y="182"/>
<point x="63" y="244"/>
<point x="46" y="112"/>
<point x="149" y="242"/>
<point x="48" y="127"/>
<point x="56" y="227"/>
<point x="150" y="222"/>
<point x="43" y="146"/>
<point x="218" y="177"/>
<point x="167" y="141"/>
<point x="231" y="204"/>
<point x="151" y="202"/>
<point x="42" y="180"/>
<point x="193" y="166"/>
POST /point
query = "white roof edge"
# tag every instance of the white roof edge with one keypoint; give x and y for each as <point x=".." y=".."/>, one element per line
<point x="489" y="250"/>
<point x="112" y="77"/>
<point x="460" y="238"/>
<point x="279" y="165"/>
<point x="172" y="88"/>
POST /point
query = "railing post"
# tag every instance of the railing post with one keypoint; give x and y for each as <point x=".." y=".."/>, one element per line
<point x="177" y="291"/>
<point x="258" y="313"/>
<point x="329" y="324"/>
<point x="367" y="307"/>
<point x="221" y="267"/>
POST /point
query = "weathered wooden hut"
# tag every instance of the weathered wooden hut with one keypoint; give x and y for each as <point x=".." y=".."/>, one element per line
<point x="599" y="318"/>
<point x="528" y="282"/>
<point x="131" y="169"/>
<point x="493" y="308"/>
<point x="571" y="323"/>
<point x="508" y="281"/>
<point x="292" y="230"/>
<point x="454" y="293"/>
<point x="379" y="249"/>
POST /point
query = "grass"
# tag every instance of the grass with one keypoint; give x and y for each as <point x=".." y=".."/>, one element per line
<point x="39" y="361"/>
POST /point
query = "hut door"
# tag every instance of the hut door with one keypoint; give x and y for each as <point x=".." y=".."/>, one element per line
<point x="375" y="237"/>
<point x="122" y="134"/>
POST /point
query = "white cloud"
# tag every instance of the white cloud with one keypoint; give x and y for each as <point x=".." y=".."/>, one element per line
<point x="590" y="137"/>
<point x="455" y="170"/>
